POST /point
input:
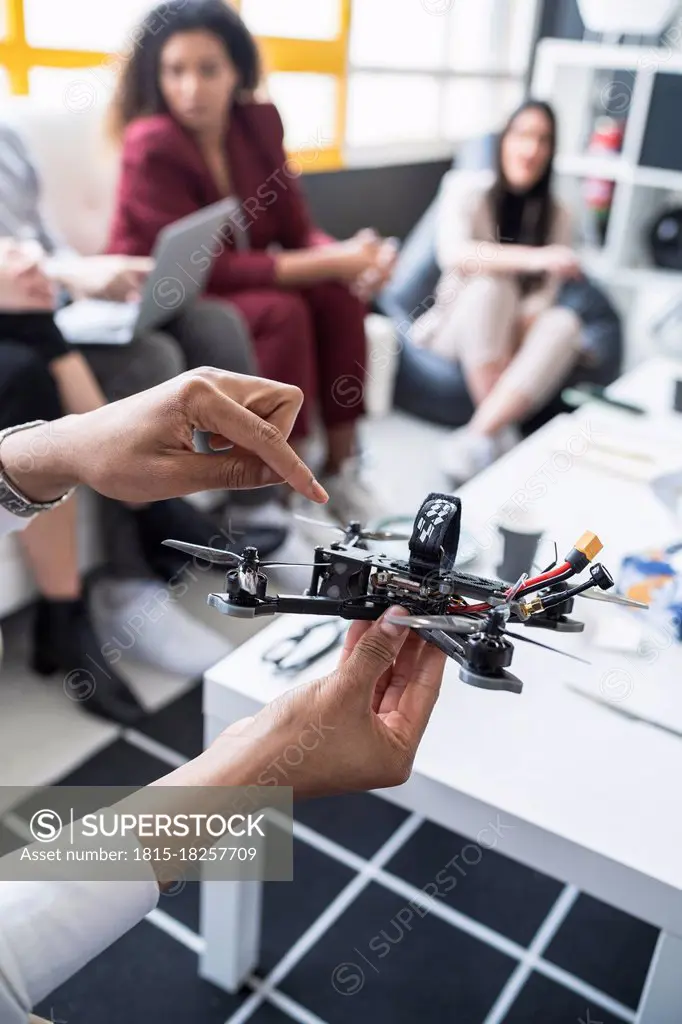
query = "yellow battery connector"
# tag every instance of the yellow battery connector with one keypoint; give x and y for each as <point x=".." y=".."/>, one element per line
<point x="589" y="545"/>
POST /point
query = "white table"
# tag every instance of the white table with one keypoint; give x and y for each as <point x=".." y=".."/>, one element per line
<point x="593" y="798"/>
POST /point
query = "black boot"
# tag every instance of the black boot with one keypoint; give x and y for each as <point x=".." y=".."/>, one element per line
<point x="178" y="520"/>
<point x="65" y="641"/>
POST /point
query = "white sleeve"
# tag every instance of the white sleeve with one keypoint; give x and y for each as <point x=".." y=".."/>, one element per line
<point x="458" y="197"/>
<point x="9" y="523"/>
<point x="50" y="930"/>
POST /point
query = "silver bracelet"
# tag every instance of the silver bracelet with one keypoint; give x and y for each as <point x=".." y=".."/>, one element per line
<point x="11" y="498"/>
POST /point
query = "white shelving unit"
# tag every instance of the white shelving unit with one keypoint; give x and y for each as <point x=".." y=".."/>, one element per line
<point x="568" y="75"/>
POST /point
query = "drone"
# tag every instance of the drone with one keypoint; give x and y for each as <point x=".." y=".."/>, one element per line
<point x="465" y="616"/>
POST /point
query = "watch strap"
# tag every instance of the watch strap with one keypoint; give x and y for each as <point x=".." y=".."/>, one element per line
<point x="11" y="498"/>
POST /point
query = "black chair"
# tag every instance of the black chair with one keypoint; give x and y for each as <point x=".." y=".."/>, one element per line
<point x="433" y="388"/>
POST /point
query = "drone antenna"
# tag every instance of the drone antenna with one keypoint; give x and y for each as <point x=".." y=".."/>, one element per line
<point x="552" y="564"/>
<point x="623" y="602"/>
<point x="511" y="594"/>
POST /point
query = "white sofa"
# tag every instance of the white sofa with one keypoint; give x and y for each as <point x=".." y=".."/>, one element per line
<point x="79" y="168"/>
<point x="79" y="174"/>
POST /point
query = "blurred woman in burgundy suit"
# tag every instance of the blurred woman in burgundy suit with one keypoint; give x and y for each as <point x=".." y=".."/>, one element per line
<point x="193" y="134"/>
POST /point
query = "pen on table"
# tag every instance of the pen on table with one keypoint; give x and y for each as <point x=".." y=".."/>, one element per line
<point x="633" y="716"/>
<point x="583" y="393"/>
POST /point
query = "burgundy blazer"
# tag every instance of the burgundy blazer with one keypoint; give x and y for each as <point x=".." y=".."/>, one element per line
<point x="164" y="177"/>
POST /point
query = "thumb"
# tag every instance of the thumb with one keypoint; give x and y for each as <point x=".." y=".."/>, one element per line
<point x="374" y="653"/>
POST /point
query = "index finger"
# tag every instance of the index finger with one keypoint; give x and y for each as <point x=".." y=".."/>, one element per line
<point x="232" y="421"/>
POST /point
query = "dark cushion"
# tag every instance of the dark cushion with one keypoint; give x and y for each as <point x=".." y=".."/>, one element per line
<point x="416" y="273"/>
<point x="431" y="388"/>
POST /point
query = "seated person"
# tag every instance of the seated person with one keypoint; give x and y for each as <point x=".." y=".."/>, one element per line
<point x="193" y="133"/>
<point x="40" y="379"/>
<point x="504" y="247"/>
<point x="208" y="333"/>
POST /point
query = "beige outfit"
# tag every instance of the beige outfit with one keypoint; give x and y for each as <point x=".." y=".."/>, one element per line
<point x="479" y="317"/>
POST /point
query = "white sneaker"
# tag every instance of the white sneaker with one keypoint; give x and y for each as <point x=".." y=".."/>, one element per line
<point x="506" y="439"/>
<point x="144" y="621"/>
<point x="465" y="453"/>
<point x="352" y="496"/>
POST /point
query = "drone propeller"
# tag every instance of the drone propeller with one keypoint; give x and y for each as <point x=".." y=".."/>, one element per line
<point x="218" y="556"/>
<point x="319" y="522"/>
<point x="547" y="647"/>
<point x="449" y="623"/>
<point x="361" y="534"/>
<point x="623" y="602"/>
<point x="461" y="626"/>
<point x="383" y="535"/>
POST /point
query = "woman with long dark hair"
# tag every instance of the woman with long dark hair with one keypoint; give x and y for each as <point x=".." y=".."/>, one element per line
<point x="504" y="247"/>
<point x="193" y="133"/>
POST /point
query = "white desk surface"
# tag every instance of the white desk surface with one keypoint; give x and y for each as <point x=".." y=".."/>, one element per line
<point x="548" y="758"/>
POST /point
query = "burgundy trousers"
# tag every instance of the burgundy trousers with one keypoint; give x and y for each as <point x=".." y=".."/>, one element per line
<point x="314" y="338"/>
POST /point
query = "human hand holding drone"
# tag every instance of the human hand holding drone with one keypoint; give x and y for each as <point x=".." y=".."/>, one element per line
<point x="464" y="615"/>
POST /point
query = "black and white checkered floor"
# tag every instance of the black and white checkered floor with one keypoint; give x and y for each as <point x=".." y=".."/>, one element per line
<point x="341" y="942"/>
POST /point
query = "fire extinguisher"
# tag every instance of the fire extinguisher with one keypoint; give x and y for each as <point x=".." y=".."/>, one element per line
<point x="606" y="140"/>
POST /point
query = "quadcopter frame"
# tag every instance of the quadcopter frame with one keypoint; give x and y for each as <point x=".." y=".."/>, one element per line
<point x="351" y="582"/>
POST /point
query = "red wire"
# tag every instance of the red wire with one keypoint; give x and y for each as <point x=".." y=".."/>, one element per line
<point x="558" y="570"/>
<point x="468" y="609"/>
<point x="473" y="609"/>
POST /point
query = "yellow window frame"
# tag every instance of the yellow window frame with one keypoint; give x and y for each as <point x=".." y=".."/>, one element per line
<point x="328" y="57"/>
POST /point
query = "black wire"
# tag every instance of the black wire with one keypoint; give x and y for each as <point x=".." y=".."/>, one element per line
<point x="553" y="600"/>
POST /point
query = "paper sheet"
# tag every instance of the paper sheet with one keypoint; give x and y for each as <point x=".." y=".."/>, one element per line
<point x="97" y="322"/>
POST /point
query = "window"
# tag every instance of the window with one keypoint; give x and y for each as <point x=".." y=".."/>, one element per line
<point x="99" y="25"/>
<point x="395" y="34"/>
<point x="77" y="89"/>
<point x="476" y="106"/>
<point x="432" y="72"/>
<point x="307" y="103"/>
<point x="394" y="77"/>
<point x="304" y="45"/>
<point x="392" y="108"/>
<point x="65" y="52"/>
<point x="293" y="19"/>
